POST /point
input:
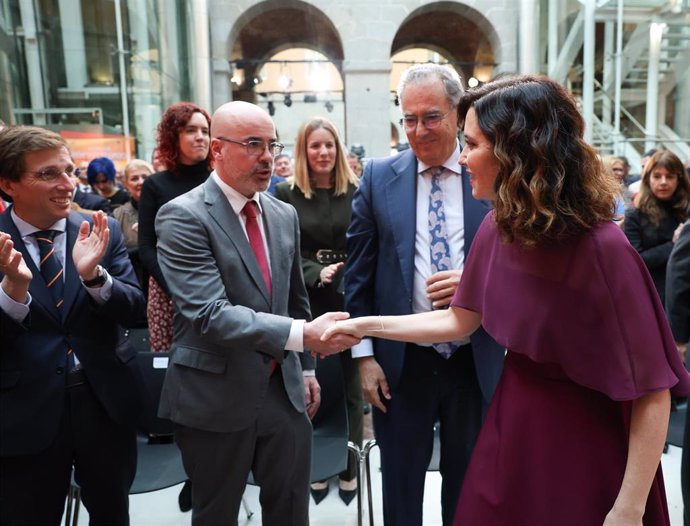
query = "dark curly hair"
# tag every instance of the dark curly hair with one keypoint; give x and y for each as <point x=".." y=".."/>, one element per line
<point x="551" y="185"/>
<point x="172" y="123"/>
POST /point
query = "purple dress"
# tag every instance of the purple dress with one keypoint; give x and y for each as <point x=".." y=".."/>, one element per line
<point x="586" y="335"/>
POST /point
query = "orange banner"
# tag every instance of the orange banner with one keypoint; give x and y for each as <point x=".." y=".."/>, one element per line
<point x="87" y="146"/>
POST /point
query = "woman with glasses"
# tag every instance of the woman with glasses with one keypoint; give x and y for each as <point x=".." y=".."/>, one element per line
<point x="321" y="192"/>
<point x="183" y="146"/>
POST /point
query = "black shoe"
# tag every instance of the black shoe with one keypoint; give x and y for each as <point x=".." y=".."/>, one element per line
<point x="346" y="495"/>
<point x="319" y="494"/>
<point x="185" y="498"/>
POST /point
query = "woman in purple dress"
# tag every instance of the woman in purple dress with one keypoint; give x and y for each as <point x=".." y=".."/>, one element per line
<point x="575" y="431"/>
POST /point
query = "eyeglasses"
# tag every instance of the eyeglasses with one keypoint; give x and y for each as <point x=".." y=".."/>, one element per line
<point x="256" y="147"/>
<point x="430" y="120"/>
<point x="52" y="174"/>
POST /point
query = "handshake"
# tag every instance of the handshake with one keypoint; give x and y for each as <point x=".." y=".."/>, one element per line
<point x="331" y="333"/>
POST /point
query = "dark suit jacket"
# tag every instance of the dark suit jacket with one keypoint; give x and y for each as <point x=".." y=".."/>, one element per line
<point x="381" y="249"/>
<point x="654" y="244"/>
<point x="678" y="287"/>
<point x="33" y="357"/>
<point x="91" y="201"/>
<point x="226" y="327"/>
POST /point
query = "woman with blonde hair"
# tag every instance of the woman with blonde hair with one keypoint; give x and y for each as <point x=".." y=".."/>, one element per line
<point x="321" y="192"/>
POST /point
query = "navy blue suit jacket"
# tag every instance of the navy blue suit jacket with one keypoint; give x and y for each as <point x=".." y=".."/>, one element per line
<point x="381" y="250"/>
<point x="33" y="356"/>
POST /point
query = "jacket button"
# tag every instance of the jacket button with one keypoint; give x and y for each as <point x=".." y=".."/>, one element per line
<point x="60" y="370"/>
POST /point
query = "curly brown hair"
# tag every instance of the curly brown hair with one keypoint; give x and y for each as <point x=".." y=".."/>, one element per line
<point x="648" y="203"/>
<point x="172" y="123"/>
<point x="551" y="185"/>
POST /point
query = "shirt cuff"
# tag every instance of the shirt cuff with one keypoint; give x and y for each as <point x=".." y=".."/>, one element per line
<point x="309" y="372"/>
<point x="363" y="349"/>
<point x="295" y="341"/>
<point x="15" y="310"/>
<point x="101" y="294"/>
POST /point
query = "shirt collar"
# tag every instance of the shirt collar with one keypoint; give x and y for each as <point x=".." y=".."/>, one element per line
<point x="236" y="199"/>
<point x="450" y="164"/>
<point x="26" y="229"/>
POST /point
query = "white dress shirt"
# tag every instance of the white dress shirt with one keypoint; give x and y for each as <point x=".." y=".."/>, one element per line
<point x="451" y="185"/>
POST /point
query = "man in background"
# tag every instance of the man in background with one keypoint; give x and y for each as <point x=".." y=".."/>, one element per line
<point x="394" y="267"/>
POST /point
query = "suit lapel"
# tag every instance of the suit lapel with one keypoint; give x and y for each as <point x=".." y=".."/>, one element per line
<point x="222" y="213"/>
<point x="275" y="233"/>
<point x="37" y="288"/>
<point x="401" y="201"/>
<point x="73" y="285"/>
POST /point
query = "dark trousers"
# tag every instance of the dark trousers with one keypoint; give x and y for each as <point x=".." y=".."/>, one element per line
<point x="277" y="450"/>
<point x="104" y="455"/>
<point x="431" y="389"/>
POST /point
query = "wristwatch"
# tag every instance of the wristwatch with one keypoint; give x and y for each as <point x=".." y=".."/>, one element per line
<point x="98" y="281"/>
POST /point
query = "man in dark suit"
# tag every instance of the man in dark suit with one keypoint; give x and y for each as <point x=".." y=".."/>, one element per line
<point x="391" y="270"/>
<point x="235" y="387"/>
<point x="69" y="387"/>
<point x="678" y="312"/>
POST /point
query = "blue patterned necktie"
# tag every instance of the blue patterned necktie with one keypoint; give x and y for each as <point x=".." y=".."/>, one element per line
<point x="439" y="250"/>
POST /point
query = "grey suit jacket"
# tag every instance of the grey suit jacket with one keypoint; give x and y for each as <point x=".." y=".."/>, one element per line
<point x="226" y="327"/>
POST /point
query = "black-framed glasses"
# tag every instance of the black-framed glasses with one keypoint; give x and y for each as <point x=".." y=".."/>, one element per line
<point x="430" y="120"/>
<point x="256" y="147"/>
<point x="52" y="174"/>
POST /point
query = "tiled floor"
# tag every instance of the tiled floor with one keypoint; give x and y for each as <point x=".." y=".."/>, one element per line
<point x="160" y="508"/>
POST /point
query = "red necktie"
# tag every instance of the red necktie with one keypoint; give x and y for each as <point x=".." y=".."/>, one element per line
<point x="256" y="241"/>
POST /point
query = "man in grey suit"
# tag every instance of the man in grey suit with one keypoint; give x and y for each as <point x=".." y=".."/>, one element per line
<point x="239" y="381"/>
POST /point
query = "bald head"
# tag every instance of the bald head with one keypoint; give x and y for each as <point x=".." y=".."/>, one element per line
<point x="230" y="114"/>
<point x="233" y="126"/>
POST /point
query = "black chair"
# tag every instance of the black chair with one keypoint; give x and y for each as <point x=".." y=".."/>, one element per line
<point x="330" y="444"/>
<point x="159" y="463"/>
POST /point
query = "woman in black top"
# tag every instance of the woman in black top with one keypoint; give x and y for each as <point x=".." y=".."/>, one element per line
<point x="183" y="144"/>
<point x="661" y="206"/>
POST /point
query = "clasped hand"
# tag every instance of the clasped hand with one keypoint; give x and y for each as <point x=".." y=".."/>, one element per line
<point x="314" y="332"/>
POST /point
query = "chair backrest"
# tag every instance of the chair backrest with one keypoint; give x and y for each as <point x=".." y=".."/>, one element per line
<point x="153" y="366"/>
<point x="329" y="455"/>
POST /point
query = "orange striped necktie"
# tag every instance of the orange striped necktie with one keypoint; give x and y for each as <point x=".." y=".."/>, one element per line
<point x="51" y="267"/>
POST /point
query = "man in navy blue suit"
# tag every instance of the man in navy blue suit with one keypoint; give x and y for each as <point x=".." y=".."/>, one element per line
<point x="69" y="387"/>
<point x="393" y="269"/>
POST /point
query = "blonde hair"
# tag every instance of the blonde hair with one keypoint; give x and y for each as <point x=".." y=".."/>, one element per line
<point x="136" y="164"/>
<point x="344" y="176"/>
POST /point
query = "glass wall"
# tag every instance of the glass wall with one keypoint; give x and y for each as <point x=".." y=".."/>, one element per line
<point x="101" y="67"/>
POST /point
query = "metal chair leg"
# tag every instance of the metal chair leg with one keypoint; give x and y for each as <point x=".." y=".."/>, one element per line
<point x="367" y="470"/>
<point x="354" y="450"/>
<point x="73" y="505"/>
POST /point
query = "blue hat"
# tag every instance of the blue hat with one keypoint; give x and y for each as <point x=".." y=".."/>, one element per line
<point x="100" y="165"/>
